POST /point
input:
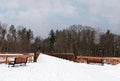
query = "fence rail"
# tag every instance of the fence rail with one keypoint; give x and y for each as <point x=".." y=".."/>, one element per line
<point x="86" y="59"/>
<point x="107" y="60"/>
<point x="6" y="58"/>
<point x="67" y="56"/>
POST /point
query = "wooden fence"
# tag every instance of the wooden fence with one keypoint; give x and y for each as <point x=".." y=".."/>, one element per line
<point x="6" y="58"/>
<point x="67" y="56"/>
<point x="86" y="59"/>
<point x="107" y="60"/>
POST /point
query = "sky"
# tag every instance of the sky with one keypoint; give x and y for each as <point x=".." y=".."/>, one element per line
<point x="43" y="15"/>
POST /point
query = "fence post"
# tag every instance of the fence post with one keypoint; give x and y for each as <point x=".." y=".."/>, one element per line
<point x="36" y="54"/>
<point x="6" y="61"/>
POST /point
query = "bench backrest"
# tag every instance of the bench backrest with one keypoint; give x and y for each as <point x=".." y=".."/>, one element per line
<point x="20" y="60"/>
<point x="94" y="60"/>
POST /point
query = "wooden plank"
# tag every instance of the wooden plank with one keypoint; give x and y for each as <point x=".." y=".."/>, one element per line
<point x="6" y="56"/>
<point x="108" y="60"/>
<point x="67" y="56"/>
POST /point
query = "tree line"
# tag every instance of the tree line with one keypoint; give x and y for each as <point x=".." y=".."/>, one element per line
<point x="84" y="40"/>
<point x="77" y="39"/>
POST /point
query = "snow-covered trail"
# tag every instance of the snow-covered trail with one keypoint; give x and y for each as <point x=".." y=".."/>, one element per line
<point x="54" y="69"/>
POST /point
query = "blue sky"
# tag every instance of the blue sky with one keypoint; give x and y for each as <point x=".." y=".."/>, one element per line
<point x="43" y="15"/>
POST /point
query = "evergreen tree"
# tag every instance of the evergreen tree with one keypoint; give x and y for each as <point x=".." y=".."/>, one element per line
<point x="52" y="40"/>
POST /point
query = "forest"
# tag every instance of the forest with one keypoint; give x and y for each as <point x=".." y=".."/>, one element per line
<point x="77" y="39"/>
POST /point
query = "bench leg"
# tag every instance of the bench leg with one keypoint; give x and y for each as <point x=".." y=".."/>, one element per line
<point x="13" y="65"/>
<point x="25" y="64"/>
<point x="102" y="62"/>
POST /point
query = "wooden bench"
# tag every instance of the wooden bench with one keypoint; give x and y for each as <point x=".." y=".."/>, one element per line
<point x="95" y="60"/>
<point x="18" y="60"/>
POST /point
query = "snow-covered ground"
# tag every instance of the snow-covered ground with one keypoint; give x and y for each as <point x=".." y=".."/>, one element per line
<point x="54" y="69"/>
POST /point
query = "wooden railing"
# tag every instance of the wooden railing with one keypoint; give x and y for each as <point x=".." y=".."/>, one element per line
<point x="6" y="58"/>
<point x="67" y="56"/>
<point x="107" y="60"/>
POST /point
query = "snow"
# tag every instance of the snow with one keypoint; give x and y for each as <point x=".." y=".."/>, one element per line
<point x="50" y="68"/>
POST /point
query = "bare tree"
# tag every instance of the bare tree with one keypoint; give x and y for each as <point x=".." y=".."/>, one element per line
<point x="2" y="35"/>
<point x="107" y="41"/>
<point x="12" y="39"/>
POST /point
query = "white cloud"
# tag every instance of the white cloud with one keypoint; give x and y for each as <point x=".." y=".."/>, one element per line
<point x="35" y="13"/>
<point x="9" y="5"/>
<point x="107" y="9"/>
<point x="110" y="9"/>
